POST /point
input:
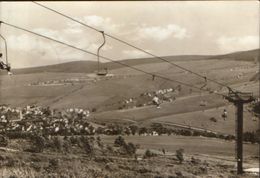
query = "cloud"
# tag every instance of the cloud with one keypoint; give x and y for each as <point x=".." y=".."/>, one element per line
<point x="229" y="44"/>
<point x="46" y="51"/>
<point x="49" y="33"/>
<point x="19" y="43"/>
<point x="94" y="20"/>
<point x="134" y="54"/>
<point x="103" y="23"/>
<point x="73" y="28"/>
<point x="29" y="42"/>
<point x="160" y="33"/>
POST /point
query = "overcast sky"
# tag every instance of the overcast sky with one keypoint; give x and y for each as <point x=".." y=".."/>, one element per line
<point x="162" y="28"/>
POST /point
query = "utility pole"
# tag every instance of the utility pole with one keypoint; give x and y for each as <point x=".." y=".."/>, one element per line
<point x="239" y="99"/>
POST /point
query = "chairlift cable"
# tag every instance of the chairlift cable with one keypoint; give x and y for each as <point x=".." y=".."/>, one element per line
<point x="108" y="59"/>
<point x="124" y="42"/>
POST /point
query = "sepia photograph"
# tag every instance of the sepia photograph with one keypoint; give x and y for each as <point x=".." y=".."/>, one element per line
<point x="129" y="89"/>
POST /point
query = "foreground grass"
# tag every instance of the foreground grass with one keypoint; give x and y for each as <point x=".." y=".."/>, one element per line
<point x="71" y="165"/>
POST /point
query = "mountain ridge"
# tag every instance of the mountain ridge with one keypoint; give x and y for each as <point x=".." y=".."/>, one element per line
<point x="91" y="66"/>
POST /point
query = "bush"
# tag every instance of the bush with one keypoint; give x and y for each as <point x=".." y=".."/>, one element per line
<point x="54" y="164"/>
<point x="13" y="176"/>
<point x="250" y="137"/>
<point x="57" y="143"/>
<point x="119" y="141"/>
<point x="87" y="145"/>
<point x="148" y="154"/>
<point x="74" y="140"/>
<point x="196" y="133"/>
<point x="213" y="119"/>
<point x="186" y="132"/>
<point x="130" y="148"/>
<point x="110" y="149"/>
<point x="18" y="135"/>
<point x="3" y="141"/>
<point x="10" y="162"/>
<point x="37" y="143"/>
<point x="40" y="142"/>
<point x="99" y="142"/>
<point x="36" y="166"/>
<point x="256" y="108"/>
<point x="229" y="137"/>
<point x="99" y="130"/>
<point x="159" y="128"/>
<point x="179" y="155"/>
<point x="67" y="145"/>
<point x="195" y="161"/>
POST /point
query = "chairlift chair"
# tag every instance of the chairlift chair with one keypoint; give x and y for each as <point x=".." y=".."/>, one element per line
<point x="5" y="66"/>
<point x="101" y="72"/>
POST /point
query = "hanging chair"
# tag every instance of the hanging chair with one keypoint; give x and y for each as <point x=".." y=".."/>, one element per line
<point x="101" y="72"/>
<point x="5" y="66"/>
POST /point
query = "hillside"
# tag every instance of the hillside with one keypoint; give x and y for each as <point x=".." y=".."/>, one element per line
<point x="68" y="67"/>
<point x="250" y="55"/>
<point x="255" y="77"/>
<point x="68" y="86"/>
<point x="91" y="66"/>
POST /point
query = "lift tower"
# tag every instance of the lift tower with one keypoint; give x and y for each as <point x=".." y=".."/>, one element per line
<point x="239" y="99"/>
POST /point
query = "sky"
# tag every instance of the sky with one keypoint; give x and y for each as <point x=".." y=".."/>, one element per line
<point x="163" y="28"/>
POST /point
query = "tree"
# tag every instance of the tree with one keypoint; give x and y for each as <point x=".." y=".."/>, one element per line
<point x="179" y="155"/>
<point x="158" y="127"/>
<point x="143" y="130"/>
<point x="127" y="131"/>
<point x="133" y="129"/>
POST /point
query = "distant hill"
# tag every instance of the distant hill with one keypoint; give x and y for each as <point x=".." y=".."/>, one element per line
<point x="68" y="67"/>
<point x="91" y="66"/>
<point x="251" y="55"/>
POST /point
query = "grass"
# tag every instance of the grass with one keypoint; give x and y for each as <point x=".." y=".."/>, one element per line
<point x="215" y="158"/>
<point x="191" y="145"/>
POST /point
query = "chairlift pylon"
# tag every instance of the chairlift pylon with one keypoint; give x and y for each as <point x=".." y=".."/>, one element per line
<point x="105" y="70"/>
<point x="205" y="83"/>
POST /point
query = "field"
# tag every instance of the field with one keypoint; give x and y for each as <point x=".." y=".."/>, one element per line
<point x="206" y="146"/>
